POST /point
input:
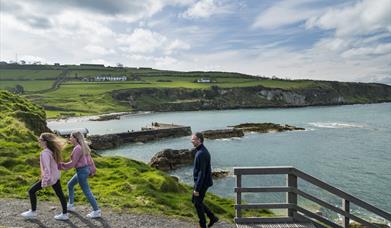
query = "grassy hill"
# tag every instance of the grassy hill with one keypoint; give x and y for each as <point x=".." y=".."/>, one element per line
<point x="68" y="90"/>
<point x="120" y="182"/>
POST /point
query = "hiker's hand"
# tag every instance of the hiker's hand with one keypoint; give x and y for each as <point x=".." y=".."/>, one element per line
<point x="195" y="193"/>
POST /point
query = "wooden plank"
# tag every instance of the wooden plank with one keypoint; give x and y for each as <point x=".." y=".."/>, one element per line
<point x="342" y="194"/>
<point x="317" y="217"/>
<point x="265" y="206"/>
<point x="263" y="170"/>
<point x="265" y="189"/>
<point x="254" y="220"/>
<point x="331" y="207"/>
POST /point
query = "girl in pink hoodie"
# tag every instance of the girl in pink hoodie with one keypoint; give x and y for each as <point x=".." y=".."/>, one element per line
<point x="50" y="158"/>
<point x="84" y="165"/>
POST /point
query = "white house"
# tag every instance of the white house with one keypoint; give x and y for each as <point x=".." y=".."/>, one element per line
<point x="111" y="78"/>
<point x="202" y="80"/>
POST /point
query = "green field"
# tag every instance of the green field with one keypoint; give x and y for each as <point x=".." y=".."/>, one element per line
<point x="7" y="74"/>
<point x="75" y="97"/>
<point x="29" y="86"/>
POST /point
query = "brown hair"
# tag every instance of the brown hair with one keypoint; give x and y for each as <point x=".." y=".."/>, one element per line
<point x="85" y="149"/>
<point x="54" y="144"/>
<point x="200" y="136"/>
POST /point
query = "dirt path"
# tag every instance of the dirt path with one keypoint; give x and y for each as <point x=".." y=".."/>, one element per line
<point x="10" y="210"/>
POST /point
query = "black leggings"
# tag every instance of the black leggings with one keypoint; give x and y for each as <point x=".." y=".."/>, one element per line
<point x="57" y="188"/>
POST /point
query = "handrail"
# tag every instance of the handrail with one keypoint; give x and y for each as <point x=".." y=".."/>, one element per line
<point x="292" y="192"/>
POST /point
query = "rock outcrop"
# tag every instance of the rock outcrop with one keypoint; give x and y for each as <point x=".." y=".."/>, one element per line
<point x="217" y="174"/>
<point x="223" y="133"/>
<point x="265" y="127"/>
<point x="170" y="159"/>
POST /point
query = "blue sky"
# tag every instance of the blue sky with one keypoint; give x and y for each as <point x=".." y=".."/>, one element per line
<point x="317" y="39"/>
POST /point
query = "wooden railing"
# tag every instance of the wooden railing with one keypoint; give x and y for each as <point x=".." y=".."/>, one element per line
<point x="295" y="212"/>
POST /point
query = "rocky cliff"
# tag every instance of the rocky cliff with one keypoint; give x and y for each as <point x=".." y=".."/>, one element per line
<point x="184" y="99"/>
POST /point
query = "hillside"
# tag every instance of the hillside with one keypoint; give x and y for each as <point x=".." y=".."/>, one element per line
<point x="120" y="183"/>
<point x="70" y="90"/>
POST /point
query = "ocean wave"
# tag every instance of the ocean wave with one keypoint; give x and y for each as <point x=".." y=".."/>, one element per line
<point x="335" y="125"/>
<point x="230" y="139"/>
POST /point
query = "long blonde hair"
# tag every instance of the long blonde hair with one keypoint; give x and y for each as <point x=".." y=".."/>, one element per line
<point x="85" y="149"/>
<point x="54" y="144"/>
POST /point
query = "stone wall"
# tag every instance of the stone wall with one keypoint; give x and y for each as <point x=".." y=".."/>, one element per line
<point x="108" y="141"/>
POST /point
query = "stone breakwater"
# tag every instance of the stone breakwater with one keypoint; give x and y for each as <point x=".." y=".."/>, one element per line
<point x="155" y="132"/>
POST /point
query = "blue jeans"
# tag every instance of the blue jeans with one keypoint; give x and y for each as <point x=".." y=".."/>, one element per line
<point x="81" y="177"/>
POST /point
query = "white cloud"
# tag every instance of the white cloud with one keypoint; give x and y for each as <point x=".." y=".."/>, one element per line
<point x="381" y="49"/>
<point x="284" y="13"/>
<point x="207" y="8"/>
<point x="364" y="17"/>
<point x="177" y="45"/>
<point x="94" y="49"/>
<point x="142" y="41"/>
<point x="146" y="41"/>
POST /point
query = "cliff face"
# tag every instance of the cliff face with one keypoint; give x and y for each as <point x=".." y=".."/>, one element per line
<point x="183" y="99"/>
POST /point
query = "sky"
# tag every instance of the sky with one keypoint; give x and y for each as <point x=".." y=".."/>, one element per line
<point x="297" y="39"/>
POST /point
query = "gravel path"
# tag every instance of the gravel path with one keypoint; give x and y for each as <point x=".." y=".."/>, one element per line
<point x="10" y="210"/>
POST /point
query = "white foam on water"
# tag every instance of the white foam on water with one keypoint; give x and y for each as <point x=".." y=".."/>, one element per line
<point x="335" y="125"/>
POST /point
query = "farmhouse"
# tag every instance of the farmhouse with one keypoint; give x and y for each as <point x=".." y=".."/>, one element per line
<point x="111" y="78"/>
<point x="203" y="80"/>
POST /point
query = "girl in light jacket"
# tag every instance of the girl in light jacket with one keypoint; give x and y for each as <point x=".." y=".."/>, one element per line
<point x="50" y="175"/>
<point x="82" y="161"/>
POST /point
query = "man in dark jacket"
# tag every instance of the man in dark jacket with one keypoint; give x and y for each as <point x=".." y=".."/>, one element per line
<point x="202" y="174"/>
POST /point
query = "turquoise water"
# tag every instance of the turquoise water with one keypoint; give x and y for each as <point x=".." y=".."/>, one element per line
<point x="348" y="146"/>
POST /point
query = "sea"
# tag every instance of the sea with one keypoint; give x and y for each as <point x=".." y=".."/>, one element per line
<point x="348" y="147"/>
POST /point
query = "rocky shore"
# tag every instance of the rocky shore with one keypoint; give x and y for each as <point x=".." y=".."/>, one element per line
<point x="223" y="133"/>
<point x="169" y="159"/>
<point x="266" y="127"/>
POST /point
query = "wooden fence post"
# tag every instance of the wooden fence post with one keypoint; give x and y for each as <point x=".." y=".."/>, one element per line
<point x="291" y="197"/>
<point x="346" y="208"/>
<point x="238" y="195"/>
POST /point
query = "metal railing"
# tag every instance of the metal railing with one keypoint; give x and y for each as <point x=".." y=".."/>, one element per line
<point x="292" y="192"/>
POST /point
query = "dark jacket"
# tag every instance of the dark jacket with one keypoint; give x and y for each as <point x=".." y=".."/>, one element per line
<point x="202" y="171"/>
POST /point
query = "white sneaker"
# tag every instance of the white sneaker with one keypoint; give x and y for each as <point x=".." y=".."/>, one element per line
<point x="71" y="207"/>
<point x="61" y="217"/>
<point x="95" y="214"/>
<point x="29" y="214"/>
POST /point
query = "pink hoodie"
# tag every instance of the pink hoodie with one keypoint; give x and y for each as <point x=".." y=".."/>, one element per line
<point x="49" y="168"/>
<point x="78" y="160"/>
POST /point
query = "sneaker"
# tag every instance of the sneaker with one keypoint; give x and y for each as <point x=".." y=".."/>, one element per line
<point x="61" y="217"/>
<point x="95" y="214"/>
<point x="71" y="207"/>
<point x="213" y="221"/>
<point x="29" y="214"/>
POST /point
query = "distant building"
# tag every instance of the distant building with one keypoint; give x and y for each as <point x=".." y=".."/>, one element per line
<point x="203" y="80"/>
<point x="111" y="78"/>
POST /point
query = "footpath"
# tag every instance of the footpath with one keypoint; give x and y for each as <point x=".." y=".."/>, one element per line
<point x="10" y="210"/>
